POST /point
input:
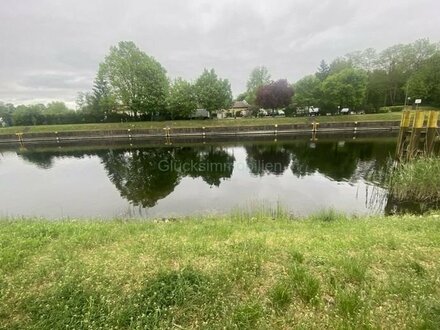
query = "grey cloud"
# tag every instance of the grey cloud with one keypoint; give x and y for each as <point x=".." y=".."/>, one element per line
<point x="51" y="49"/>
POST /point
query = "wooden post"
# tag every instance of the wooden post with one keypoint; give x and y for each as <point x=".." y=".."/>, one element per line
<point x="419" y="120"/>
<point x="431" y="131"/>
<point x="404" y="125"/>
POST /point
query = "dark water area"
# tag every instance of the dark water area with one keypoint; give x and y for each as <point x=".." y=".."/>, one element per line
<point x="178" y="179"/>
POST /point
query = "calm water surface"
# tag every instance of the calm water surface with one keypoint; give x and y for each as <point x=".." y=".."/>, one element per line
<point x="183" y="179"/>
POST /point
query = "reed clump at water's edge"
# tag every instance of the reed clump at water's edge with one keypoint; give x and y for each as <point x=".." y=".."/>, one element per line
<point x="417" y="181"/>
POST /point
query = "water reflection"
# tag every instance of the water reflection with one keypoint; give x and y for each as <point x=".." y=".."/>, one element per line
<point x="267" y="159"/>
<point x="146" y="175"/>
<point x="339" y="161"/>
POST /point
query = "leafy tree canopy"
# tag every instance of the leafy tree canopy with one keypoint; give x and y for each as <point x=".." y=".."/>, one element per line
<point x="213" y="93"/>
<point x="259" y="76"/>
<point x="275" y="95"/>
<point x="182" y="99"/>
<point x="138" y="80"/>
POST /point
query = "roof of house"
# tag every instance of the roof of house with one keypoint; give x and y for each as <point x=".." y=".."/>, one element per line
<point x="240" y="104"/>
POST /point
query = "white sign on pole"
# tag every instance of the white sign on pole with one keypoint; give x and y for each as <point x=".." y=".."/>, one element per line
<point x="418" y="101"/>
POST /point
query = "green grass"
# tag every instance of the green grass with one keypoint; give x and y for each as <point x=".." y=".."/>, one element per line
<point x="233" y="272"/>
<point x="417" y="180"/>
<point x="197" y="123"/>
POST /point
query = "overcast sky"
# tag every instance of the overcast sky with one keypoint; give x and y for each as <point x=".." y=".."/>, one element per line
<point x="50" y="49"/>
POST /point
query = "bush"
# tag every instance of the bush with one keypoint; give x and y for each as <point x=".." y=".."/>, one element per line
<point x="394" y="108"/>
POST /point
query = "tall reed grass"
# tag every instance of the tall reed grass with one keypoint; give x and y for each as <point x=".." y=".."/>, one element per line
<point x="417" y="181"/>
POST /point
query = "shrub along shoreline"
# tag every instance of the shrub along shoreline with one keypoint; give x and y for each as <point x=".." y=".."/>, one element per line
<point x="238" y="271"/>
<point x="417" y="180"/>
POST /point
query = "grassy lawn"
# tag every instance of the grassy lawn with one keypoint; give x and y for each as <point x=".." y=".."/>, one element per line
<point x="198" y="123"/>
<point x="236" y="272"/>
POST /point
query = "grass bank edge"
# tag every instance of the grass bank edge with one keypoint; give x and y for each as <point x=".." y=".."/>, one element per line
<point x="199" y="123"/>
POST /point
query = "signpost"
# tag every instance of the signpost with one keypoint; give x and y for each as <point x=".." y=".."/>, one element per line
<point x="417" y="102"/>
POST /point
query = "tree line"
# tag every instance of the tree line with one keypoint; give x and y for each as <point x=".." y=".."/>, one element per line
<point x="134" y="83"/>
<point x="375" y="81"/>
<point x="131" y="85"/>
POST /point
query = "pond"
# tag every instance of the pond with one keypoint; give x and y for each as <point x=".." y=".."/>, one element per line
<point x="184" y="178"/>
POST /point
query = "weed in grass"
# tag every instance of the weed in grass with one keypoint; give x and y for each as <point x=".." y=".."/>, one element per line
<point x="247" y="315"/>
<point x="247" y="259"/>
<point x="354" y="270"/>
<point x="152" y="304"/>
<point x="305" y="284"/>
<point x="281" y="294"/>
<point x="329" y="215"/>
<point x="431" y="316"/>
<point x="417" y="268"/>
<point x="296" y="257"/>
<point x="348" y="303"/>
<point x="392" y="243"/>
<point x="298" y="283"/>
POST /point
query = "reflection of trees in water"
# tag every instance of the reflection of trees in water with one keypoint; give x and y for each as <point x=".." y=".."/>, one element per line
<point x="144" y="176"/>
<point x="212" y="164"/>
<point x="45" y="159"/>
<point x="267" y="159"/>
<point x="339" y="161"/>
<point x="138" y="176"/>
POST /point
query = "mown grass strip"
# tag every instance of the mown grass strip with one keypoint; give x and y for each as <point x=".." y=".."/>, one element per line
<point x="274" y="272"/>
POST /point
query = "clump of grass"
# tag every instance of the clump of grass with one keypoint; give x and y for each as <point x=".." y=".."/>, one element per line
<point x="417" y="181"/>
<point x="299" y="283"/>
<point x="247" y="315"/>
<point x="348" y="302"/>
<point x="158" y="296"/>
<point x="329" y="215"/>
<point x="261" y="210"/>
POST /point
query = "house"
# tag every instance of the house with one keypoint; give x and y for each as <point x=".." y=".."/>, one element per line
<point x="240" y="108"/>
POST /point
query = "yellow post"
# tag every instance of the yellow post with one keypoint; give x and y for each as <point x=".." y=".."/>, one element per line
<point x="406" y="116"/>
<point x="433" y="119"/>
<point x="419" y="120"/>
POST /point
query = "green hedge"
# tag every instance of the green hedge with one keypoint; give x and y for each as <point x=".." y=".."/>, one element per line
<point x="394" y="108"/>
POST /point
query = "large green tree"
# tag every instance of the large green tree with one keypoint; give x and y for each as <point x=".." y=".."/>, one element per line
<point x="323" y="70"/>
<point x="182" y="99"/>
<point x="6" y="111"/>
<point x="346" y="89"/>
<point x="425" y="83"/>
<point x="308" y="92"/>
<point x="138" y="80"/>
<point x="213" y="93"/>
<point x="259" y="76"/>
<point x="56" y="108"/>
